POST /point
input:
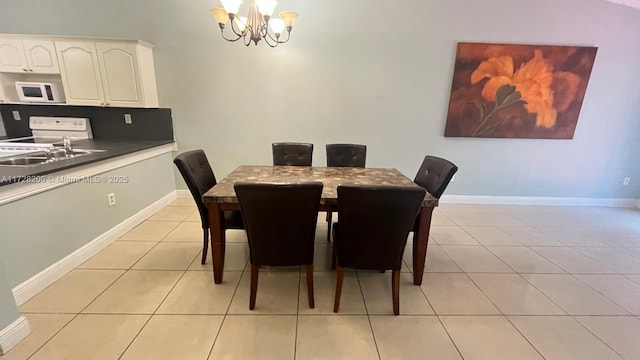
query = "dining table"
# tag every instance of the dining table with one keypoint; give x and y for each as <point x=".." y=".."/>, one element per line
<point x="222" y="197"/>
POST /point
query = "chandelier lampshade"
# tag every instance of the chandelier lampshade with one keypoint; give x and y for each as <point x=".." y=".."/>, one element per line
<point x="257" y="25"/>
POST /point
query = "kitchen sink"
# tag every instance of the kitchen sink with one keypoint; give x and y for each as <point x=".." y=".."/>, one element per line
<point x="24" y="161"/>
<point x="42" y="157"/>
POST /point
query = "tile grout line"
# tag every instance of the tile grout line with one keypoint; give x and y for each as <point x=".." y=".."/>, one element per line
<point x="373" y="334"/>
<point x="226" y="313"/>
<point x="152" y="314"/>
<point x="596" y="336"/>
<point x="92" y="301"/>
<point x="75" y="315"/>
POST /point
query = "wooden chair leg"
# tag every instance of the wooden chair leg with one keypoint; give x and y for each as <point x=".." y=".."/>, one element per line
<point x="312" y="303"/>
<point x="340" y="278"/>
<point x="329" y="222"/>
<point x="254" y="286"/>
<point x="205" y="245"/>
<point x="395" y="289"/>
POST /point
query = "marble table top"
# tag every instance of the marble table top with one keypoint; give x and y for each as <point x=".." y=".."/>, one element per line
<point x="331" y="177"/>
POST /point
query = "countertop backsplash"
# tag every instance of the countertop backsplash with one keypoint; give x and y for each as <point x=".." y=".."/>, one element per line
<point x="107" y="123"/>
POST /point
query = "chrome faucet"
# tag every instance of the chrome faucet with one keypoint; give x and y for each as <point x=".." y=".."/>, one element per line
<point x="66" y="141"/>
<point x="48" y="154"/>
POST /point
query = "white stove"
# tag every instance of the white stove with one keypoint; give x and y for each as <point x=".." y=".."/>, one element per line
<point x="47" y="133"/>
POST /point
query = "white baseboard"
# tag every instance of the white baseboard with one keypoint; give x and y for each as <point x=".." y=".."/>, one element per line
<point x="12" y="334"/>
<point x="46" y="277"/>
<point x="532" y="200"/>
<point x="183" y="193"/>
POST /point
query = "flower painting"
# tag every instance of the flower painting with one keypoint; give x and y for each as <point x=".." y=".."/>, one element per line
<point x="518" y="91"/>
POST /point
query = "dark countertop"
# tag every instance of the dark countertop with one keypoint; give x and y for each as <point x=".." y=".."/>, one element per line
<point x="113" y="148"/>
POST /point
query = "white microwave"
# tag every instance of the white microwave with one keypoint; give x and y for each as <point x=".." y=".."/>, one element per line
<point x="39" y="92"/>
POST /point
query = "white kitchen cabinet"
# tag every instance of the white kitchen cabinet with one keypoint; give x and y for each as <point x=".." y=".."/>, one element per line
<point x="108" y="73"/>
<point x="28" y="56"/>
<point x="80" y="72"/>
<point x="128" y="74"/>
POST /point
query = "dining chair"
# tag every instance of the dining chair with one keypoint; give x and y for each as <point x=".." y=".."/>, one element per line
<point x="434" y="176"/>
<point x="198" y="175"/>
<point x="292" y="154"/>
<point x="280" y="220"/>
<point x="372" y="231"/>
<point x="344" y="155"/>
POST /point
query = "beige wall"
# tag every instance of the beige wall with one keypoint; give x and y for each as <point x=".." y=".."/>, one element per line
<point x="377" y="73"/>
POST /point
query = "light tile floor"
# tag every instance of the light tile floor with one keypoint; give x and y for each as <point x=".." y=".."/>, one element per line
<point x="501" y="282"/>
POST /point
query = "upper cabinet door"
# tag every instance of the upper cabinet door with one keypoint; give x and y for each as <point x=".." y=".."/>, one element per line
<point x="41" y="56"/>
<point x="12" y="56"/>
<point x="120" y="73"/>
<point x="80" y="72"/>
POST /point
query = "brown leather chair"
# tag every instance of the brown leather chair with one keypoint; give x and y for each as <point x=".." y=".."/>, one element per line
<point x="292" y="154"/>
<point x="375" y="221"/>
<point x="434" y="176"/>
<point x="197" y="173"/>
<point x="280" y="221"/>
<point x="344" y="155"/>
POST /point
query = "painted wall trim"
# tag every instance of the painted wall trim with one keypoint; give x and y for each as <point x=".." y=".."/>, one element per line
<point x="17" y="191"/>
<point x="32" y="286"/>
<point x="13" y="334"/>
<point x="532" y="200"/>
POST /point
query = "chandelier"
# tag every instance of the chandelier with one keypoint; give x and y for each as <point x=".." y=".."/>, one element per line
<point x="257" y="25"/>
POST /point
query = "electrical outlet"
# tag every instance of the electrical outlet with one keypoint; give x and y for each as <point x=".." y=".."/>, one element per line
<point x="127" y="119"/>
<point x="16" y="115"/>
<point x="626" y="181"/>
<point x="111" y="199"/>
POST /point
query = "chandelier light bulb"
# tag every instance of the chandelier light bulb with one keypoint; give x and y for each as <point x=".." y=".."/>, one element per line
<point x="276" y="25"/>
<point x="266" y="7"/>
<point x="231" y="6"/>
<point x="241" y="23"/>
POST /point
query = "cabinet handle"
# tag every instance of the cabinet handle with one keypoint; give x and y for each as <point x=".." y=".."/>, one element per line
<point x="31" y="70"/>
<point x="24" y="69"/>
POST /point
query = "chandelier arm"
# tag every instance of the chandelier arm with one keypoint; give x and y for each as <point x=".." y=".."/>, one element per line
<point x="269" y="36"/>
<point x="287" y="39"/>
<point x="228" y="39"/>
<point x="236" y="32"/>
<point x="266" y="40"/>
<point x="277" y="40"/>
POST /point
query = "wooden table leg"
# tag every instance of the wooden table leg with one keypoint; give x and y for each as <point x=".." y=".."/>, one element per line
<point x="420" y="241"/>
<point x="216" y="224"/>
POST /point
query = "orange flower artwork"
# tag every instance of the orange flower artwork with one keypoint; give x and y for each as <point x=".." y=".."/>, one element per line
<point x="518" y="91"/>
